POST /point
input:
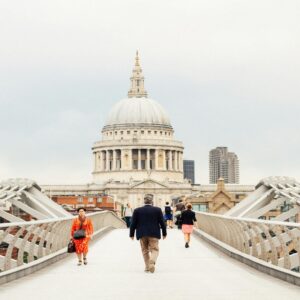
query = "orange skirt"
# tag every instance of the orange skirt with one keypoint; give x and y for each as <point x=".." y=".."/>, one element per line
<point x="82" y="246"/>
<point x="187" y="229"/>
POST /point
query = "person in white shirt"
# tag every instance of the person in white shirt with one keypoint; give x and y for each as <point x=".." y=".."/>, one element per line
<point x="128" y="214"/>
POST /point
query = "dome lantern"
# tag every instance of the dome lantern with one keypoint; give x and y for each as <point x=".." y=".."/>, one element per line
<point x="137" y="80"/>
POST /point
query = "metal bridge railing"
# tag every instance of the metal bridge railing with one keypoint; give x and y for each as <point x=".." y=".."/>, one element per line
<point x="277" y="243"/>
<point x="24" y="242"/>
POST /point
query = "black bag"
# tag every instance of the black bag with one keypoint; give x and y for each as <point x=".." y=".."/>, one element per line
<point x="71" y="247"/>
<point x="79" y="234"/>
<point x="168" y="210"/>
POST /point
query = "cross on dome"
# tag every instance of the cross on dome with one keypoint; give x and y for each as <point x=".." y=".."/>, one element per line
<point x="137" y="89"/>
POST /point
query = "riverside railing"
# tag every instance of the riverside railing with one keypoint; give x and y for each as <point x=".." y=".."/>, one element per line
<point x="277" y="243"/>
<point x="25" y="242"/>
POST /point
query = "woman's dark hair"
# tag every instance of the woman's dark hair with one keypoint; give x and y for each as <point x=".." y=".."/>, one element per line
<point x="189" y="206"/>
<point x="167" y="203"/>
<point x="79" y="208"/>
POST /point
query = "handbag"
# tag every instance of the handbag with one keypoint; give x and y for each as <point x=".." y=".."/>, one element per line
<point x="79" y="234"/>
<point x="71" y="247"/>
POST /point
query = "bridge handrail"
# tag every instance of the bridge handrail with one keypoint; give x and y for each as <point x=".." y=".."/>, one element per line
<point x="259" y="221"/>
<point x="27" y="242"/>
<point x="274" y="242"/>
<point x="52" y="220"/>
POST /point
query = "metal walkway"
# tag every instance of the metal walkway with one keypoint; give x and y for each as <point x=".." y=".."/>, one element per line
<point x="115" y="271"/>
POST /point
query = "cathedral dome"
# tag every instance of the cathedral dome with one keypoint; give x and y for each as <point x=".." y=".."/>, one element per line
<point x="138" y="111"/>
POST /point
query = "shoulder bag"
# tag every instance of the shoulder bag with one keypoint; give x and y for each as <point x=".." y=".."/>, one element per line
<point x="80" y="233"/>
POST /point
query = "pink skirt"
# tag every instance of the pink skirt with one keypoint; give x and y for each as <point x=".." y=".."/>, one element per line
<point x="187" y="228"/>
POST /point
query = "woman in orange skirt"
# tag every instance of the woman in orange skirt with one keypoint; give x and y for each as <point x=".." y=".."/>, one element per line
<point x="188" y="218"/>
<point x="82" y="245"/>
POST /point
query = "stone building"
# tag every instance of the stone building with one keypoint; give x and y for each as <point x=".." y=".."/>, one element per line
<point x="138" y="140"/>
<point x="137" y="154"/>
<point x="218" y="199"/>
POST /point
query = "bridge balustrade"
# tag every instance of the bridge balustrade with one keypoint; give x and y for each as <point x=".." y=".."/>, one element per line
<point x="277" y="243"/>
<point x="25" y="242"/>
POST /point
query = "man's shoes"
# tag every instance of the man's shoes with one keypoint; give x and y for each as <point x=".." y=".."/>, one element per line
<point x="151" y="267"/>
<point x="187" y="245"/>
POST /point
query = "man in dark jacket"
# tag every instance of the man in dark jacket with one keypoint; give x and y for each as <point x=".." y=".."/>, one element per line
<point x="147" y="222"/>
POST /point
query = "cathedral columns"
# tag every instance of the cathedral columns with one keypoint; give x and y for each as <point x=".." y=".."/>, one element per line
<point x="95" y="161"/>
<point x="107" y="160"/>
<point x="176" y="161"/>
<point x="148" y="160"/>
<point x="99" y="160"/>
<point x="170" y="160"/>
<point x="139" y="160"/>
<point x="114" y="167"/>
<point x="156" y="159"/>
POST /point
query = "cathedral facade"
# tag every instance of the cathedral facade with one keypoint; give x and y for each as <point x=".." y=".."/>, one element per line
<point x="136" y="155"/>
<point x="138" y="140"/>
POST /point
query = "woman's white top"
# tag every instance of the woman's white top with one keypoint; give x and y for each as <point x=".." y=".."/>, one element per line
<point x="128" y="212"/>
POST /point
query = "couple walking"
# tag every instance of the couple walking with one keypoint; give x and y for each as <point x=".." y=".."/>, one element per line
<point x="148" y="223"/>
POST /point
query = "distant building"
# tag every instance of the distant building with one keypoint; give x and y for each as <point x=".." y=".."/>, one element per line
<point x="189" y="170"/>
<point x="218" y="198"/>
<point x="223" y="164"/>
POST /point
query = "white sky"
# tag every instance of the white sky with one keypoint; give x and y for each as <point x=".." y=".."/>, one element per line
<point x="227" y="72"/>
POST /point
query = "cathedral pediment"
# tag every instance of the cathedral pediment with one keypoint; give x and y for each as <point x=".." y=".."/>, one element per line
<point x="149" y="183"/>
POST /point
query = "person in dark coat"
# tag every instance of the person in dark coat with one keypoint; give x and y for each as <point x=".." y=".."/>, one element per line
<point x="188" y="217"/>
<point x="179" y="208"/>
<point x="147" y="223"/>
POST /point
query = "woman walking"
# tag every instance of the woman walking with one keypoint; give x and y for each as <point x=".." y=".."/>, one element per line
<point x="128" y="214"/>
<point x="81" y="232"/>
<point x="188" y="217"/>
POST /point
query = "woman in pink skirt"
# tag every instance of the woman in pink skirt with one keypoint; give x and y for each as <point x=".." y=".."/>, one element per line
<point x="188" y="218"/>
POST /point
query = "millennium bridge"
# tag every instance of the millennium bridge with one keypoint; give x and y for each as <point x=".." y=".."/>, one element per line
<point x="238" y="255"/>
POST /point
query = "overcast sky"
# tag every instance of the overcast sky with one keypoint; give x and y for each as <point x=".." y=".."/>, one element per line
<point x="227" y="72"/>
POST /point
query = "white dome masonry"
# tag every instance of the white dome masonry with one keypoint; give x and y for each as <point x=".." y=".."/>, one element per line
<point x="138" y="111"/>
<point x="138" y="140"/>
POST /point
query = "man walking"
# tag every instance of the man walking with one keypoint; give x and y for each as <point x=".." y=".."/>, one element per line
<point x="148" y="221"/>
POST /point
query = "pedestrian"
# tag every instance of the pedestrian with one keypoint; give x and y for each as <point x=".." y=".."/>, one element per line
<point x="188" y="218"/>
<point x="147" y="223"/>
<point x="128" y="214"/>
<point x="179" y="208"/>
<point x="169" y="215"/>
<point x="81" y="233"/>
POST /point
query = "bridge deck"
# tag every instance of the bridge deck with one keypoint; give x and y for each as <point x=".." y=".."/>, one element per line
<point x="115" y="271"/>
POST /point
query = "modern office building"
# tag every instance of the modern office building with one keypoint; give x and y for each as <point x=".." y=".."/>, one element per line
<point x="223" y="164"/>
<point x="189" y="170"/>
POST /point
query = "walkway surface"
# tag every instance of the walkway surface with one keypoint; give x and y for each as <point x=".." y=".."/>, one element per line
<point x="116" y="271"/>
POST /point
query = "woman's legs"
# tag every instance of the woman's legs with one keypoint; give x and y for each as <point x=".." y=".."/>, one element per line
<point x="79" y="256"/>
<point x="186" y="237"/>
<point x="84" y="258"/>
<point x="189" y="237"/>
